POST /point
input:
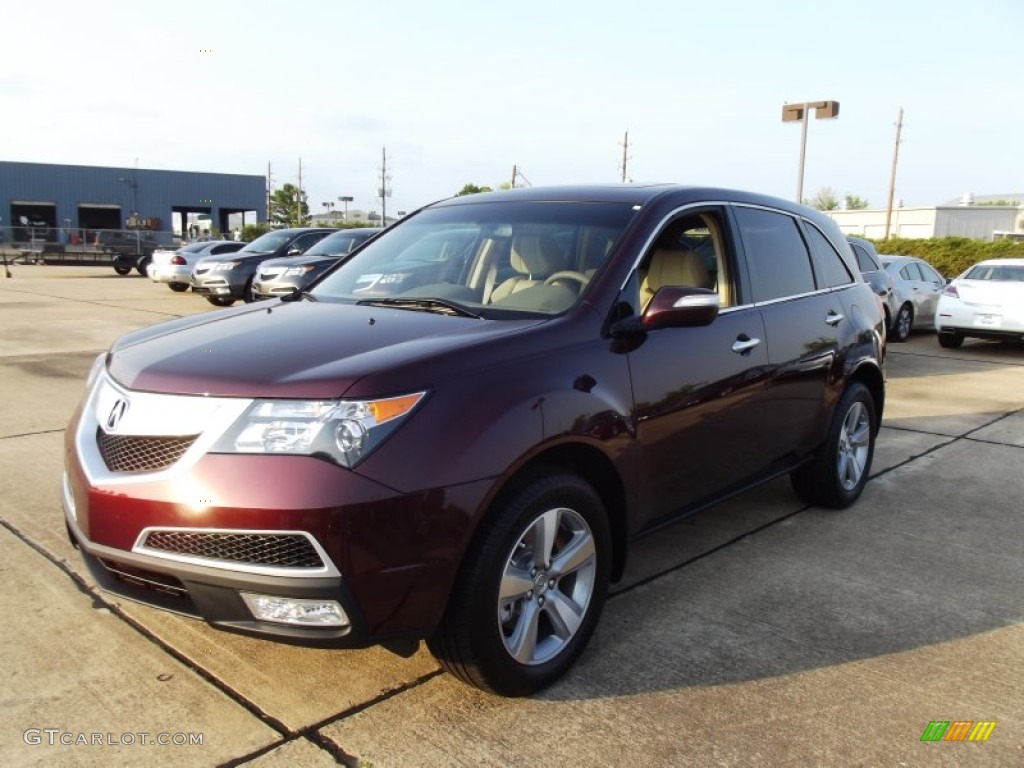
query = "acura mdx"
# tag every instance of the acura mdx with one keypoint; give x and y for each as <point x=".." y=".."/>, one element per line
<point x="456" y="433"/>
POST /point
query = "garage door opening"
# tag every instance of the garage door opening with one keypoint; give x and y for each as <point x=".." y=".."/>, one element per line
<point x="92" y="217"/>
<point x="34" y="222"/>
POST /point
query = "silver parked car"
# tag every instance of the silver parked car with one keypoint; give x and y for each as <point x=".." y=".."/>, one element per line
<point x="917" y="287"/>
<point x="174" y="265"/>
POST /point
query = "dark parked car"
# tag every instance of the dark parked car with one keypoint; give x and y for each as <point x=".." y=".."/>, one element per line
<point x="131" y="249"/>
<point x="224" y="280"/>
<point x="874" y="274"/>
<point x="459" y="443"/>
<point x="279" y="277"/>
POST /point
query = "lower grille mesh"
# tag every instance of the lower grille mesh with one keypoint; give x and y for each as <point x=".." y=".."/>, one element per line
<point x="132" y="453"/>
<point x="279" y="550"/>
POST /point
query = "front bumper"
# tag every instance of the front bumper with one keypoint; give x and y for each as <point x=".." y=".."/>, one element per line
<point x="387" y="558"/>
<point x="981" y="321"/>
<point x="274" y="288"/>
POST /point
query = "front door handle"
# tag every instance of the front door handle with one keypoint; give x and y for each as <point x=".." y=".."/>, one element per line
<point x="833" y="318"/>
<point x="744" y="344"/>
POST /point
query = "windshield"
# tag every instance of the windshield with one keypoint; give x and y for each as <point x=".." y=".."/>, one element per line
<point x="268" y="242"/>
<point x="1008" y="272"/>
<point x="336" y="244"/>
<point x="496" y="259"/>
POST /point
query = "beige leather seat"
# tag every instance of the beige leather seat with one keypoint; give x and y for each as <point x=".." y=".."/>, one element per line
<point x="534" y="257"/>
<point x="673" y="268"/>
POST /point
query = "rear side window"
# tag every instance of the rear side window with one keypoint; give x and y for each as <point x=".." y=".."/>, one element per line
<point x="865" y="261"/>
<point x="830" y="263"/>
<point x="911" y="272"/>
<point x="780" y="265"/>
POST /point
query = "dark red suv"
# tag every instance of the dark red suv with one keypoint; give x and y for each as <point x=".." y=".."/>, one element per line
<point x="456" y="433"/>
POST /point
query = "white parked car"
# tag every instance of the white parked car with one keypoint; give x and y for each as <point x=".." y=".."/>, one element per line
<point x="174" y="265"/>
<point x="985" y="302"/>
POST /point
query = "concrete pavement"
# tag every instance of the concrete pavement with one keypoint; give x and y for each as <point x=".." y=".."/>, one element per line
<point x="759" y="633"/>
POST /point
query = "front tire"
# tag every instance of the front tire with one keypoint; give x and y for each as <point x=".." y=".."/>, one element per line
<point x="122" y="270"/>
<point x="530" y="590"/>
<point x="903" y="323"/>
<point x="143" y="265"/>
<point x="839" y="472"/>
<point x="220" y="301"/>
<point x="179" y="287"/>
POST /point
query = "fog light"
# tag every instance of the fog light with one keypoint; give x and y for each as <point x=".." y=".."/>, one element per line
<point x="298" y="611"/>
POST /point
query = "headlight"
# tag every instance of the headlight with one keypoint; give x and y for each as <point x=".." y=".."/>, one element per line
<point x="297" y="271"/>
<point x="97" y="366"/>
<point x="224" y="266"/>
<point x="342" y="431"/>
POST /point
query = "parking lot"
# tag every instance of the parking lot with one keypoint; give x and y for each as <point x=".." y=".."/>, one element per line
<point x="760" y="633"/>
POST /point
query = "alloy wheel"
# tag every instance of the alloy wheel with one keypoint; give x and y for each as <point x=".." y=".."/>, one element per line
<point x="854" y="446"/>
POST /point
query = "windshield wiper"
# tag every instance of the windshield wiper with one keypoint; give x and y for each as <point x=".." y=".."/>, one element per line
<point x="440" y="306"/>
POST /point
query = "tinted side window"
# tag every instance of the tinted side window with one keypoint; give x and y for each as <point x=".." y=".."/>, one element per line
<point x="865" y="261"/>
<point x="833" y="270"/>
<point x="931" y="275"/>
<point x="779" y="263"/>
<point x="911" y="272"/>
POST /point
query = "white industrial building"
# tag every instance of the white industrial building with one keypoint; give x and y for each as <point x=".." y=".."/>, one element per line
<point x="967" y="217"/>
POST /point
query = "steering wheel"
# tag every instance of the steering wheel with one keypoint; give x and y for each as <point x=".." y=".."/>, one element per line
<point x="568" y="274"/>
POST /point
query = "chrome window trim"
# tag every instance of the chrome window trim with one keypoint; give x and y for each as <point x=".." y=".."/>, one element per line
<point x="328" y="569"/>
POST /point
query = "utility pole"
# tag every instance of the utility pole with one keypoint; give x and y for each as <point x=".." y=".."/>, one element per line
<point x="384" y="191"/>
<point x="515" y="171"/>
<point x="270" y="190"/>
<point x="298" y="203"/>
<point x="625" y="158"/>
<point x="892" y="177"/>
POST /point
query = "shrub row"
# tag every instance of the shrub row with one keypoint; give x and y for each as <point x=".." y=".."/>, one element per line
<point x="951" y="255"/>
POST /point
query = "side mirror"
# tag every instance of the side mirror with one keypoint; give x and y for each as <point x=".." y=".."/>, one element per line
<point x="681" y="307"/>
<point x="673" y="306"/>
<point x="294" y="251"/>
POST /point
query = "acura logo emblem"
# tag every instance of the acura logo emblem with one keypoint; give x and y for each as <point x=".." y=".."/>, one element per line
<point x="117" y="413"/>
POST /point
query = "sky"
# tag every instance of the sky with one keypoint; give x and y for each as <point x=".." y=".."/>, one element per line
<point x="460" y="91"/>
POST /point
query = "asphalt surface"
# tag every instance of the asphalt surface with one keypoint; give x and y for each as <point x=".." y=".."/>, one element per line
<point x="760" y="633"/>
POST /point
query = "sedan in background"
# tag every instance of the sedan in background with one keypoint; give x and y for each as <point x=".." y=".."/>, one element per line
<point x="174" y="265"/>
<point x="874" y="274"/>
<point x="985" y="302"/>
<point x="225" y="280"/>
<point x="280" y="277"/>
<point x="917" y="287"/>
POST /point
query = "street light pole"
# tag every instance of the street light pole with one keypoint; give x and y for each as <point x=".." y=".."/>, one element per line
<point x="345" y="199"/>
<point x="794" y="112"/>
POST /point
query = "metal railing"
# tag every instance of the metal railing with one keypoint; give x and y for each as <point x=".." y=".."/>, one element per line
<point x="62" y="245"/>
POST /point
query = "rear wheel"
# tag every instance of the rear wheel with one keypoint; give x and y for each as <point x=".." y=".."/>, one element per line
<point x="143" y="265"/>
<point x="903" y="323"/>
<point x="839" y="472"/>
<point x="220" y="301"/>
<point x="950" y="340"/>
<point x="121" y="270"/>
<point x="179" y="287"/>
<point x="531" y="589"/>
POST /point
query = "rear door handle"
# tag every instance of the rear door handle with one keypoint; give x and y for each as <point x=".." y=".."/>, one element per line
<point x="744" y="344"/>
<point x="833" y="318"/>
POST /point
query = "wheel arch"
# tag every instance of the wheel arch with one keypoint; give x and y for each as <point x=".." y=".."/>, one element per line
<point x="871" y="377"/>
<point x="598" y="471"/>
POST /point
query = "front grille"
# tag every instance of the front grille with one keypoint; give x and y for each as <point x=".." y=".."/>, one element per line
<point x="270" y="274"/>
<point x="279" y="550"/>
<point x="158" y="582"/>
<point x="132" y="453"/>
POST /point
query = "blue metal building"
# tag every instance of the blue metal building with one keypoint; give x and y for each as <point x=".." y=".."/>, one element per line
<point x="65" y="198"/>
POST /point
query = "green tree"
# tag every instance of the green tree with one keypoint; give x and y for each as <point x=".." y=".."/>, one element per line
<point x="472" y="189"/>
<point x="287" y="207"/>
<point x="251" y="231"/>
<point x="824" y="200"/>
<point x="855" y="202"/>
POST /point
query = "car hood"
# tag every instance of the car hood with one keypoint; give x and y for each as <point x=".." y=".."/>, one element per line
<point x="297" y="349"/>
<point x="302" y="261"/>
